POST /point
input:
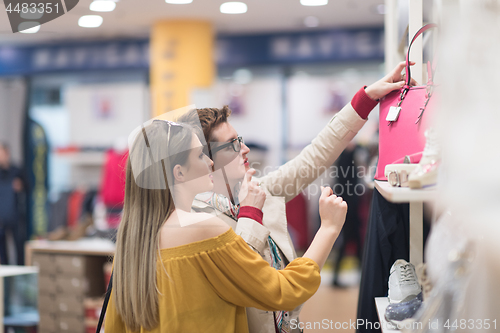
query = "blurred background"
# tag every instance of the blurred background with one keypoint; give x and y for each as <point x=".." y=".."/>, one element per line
<point x="72" y="89"/>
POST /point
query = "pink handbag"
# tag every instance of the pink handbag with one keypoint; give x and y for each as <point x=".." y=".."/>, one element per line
<point x="404" y="116"/>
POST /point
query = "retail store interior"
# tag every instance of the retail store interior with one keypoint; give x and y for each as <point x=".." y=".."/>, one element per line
<point x="416" y="164"/>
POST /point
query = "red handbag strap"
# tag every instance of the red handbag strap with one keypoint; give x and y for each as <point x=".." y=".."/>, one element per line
<point x="419" y="32"/>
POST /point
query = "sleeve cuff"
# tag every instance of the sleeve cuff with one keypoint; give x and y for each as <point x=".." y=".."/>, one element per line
<point x="251" y="213"/>
<point x="363" y="104"/>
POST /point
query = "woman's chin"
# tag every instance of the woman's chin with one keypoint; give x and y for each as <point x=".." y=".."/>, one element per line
<point x="210" y="185"/>
<point x="242" y="172"/>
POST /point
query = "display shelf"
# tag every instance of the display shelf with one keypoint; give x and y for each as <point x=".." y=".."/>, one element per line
<point x="94" y="246"/>
<point x="70" y="272"/>
<point x="381" y="303"/>
<point x="8" y="271"/>
<point x="405" y="194"/>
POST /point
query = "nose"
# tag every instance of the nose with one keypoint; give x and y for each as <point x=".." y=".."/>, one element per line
<point x="209" y="162"/>
<point x="244" y="149"/>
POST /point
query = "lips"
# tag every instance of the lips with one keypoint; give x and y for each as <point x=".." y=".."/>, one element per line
<point x="245" y="161"/>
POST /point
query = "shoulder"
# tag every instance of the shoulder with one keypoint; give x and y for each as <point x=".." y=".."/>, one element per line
<point x="187" y="228"/>
<point x="208" y="226"/>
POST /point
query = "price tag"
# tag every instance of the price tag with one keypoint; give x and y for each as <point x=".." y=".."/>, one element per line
<point x="393" y="113"/>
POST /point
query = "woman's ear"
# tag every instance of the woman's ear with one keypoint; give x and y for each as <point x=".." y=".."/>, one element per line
<point x="178" y="175"/>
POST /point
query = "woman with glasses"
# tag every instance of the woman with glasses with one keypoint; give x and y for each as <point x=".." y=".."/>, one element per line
<point x="269" y="194"/>
<point x="179" y="271"/>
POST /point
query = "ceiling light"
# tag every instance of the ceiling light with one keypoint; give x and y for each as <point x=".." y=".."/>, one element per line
<point x="311" y="22"/>
<point x="179" y="2"/>
<point x="313" y="2"/>
<point x="90" y="21"/>
<point x="233" y="8"/>
<point x="102" y="6"/>
<point x="32" y="30"/>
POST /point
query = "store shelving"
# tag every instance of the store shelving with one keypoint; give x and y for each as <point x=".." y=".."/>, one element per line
<point x="98" y="247"/>
<point x="415" y="198"/>
<point x="9" y="271"/>
<point x="405" y="194"/>
<point x="71" y="273"/>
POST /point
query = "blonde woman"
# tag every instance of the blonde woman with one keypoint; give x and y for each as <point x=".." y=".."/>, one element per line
<point x="177" y="271"/>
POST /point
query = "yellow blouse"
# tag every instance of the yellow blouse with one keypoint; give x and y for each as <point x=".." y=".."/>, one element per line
<point x="210" y="282"/>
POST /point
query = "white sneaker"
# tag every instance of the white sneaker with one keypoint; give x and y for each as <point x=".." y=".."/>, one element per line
<point x="426" y="173"/>
<point x="403" y="282"/>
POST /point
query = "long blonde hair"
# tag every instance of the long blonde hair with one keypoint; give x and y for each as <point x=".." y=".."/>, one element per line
<point x="145" y="210"/>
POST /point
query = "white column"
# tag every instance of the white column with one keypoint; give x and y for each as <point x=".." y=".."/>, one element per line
<point x="391" y="34"/>
<point x="415" y="23"/>
<point x="416" y="232"/>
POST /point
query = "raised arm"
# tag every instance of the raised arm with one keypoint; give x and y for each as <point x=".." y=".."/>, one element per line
<point x="252" y="198"/>
<point x="332" y="210"/>
<point x="294" y="176"/>
<point x="242" y="277"/>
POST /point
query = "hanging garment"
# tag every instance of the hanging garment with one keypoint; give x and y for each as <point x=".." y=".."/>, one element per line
<point x="296" y="215"/>
<point x="113" y="181"/>
<point x="345" y="186"/>
<point x="9" y="213"/>
<point x="387" y="240"/>
<point x="75" y="206"/>
<point x="10" y="216"/>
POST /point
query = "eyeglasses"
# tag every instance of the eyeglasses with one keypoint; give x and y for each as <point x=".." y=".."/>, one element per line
<point x="234" y="143"/>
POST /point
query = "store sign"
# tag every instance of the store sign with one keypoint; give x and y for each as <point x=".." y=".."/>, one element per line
<point x="337" y="45"/>
<point x="99" y="56"/>
<point x="74" y="57"/>
<point x="286" y="48"/>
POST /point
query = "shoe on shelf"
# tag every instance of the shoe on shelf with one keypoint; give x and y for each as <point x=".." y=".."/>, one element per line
<point x="427" y="171"/>
<point x="403" y="283"/>
<point x="80" y="229"/>
<point x="397" y="174"/>
<point x="61" y="233"/>
<point x="395" y="313"/>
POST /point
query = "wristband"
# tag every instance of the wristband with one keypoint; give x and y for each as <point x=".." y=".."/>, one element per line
<point x="362" y="103"/>
<point x="251" y="213"/>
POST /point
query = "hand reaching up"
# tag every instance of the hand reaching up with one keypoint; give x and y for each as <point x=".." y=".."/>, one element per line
<point x="392" y="81"/>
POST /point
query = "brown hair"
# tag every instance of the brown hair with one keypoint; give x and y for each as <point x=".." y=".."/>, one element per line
<point x="209" y="118"/>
